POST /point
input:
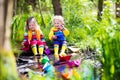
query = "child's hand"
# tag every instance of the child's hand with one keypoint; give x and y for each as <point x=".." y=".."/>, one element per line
<point x="54" y="37"/>
<point x="62" y="27"/>
<point x="46" y="47"/>
<point x="28" y="42"/>
<point x="23" y="43"/>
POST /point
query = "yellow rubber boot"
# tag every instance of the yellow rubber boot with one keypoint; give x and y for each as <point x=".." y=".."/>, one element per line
<point x="40" y="50"/>
<point x="34" y="49"/>
<point x="56" y="48"/>
<point x="62" y="53"/>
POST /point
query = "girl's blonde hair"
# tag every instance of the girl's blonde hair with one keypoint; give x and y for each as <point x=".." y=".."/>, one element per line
<point x="59" y="18"/>
<point x="33" y="20"/>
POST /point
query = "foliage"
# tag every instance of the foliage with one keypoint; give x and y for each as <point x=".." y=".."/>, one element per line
<point x="22" y="6"/>
<point x="109" y="39"/>
<point x="18" y="25"/>
<point x="85" y="30"/>
<point x="7" y="66"/>
<point x="36" y="76"/>
<point x="111" y="55"/>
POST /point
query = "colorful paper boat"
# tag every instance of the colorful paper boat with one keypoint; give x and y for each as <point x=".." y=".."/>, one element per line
<point x="65" y="58"/>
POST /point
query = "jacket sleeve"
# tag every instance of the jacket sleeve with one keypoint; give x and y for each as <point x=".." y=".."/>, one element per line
<point x="51" y="33"/>
<point x="65" y="31"/>
<point x="42" y="38"/>
<point x="25" y="36"/>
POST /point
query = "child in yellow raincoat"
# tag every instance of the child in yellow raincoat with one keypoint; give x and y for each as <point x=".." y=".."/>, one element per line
<point x="58" y="35"/>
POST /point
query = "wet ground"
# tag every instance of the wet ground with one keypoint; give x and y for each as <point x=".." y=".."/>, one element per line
<point x="88" y="66"/>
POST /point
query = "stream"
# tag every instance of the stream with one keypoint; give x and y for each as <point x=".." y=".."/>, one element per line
<point x="84" y="66"/>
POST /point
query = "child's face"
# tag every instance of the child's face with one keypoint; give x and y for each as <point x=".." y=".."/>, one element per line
<point x="57" y="23"/>
<point x="32" y="25"/>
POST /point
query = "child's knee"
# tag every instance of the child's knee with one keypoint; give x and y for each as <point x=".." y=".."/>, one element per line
<point x="39" y="43"/>
<point x="65" y="42"/>
<point x="33" y="43"/>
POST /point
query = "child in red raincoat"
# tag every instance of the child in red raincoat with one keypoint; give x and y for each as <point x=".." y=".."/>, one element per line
<point x="33" y="37"/>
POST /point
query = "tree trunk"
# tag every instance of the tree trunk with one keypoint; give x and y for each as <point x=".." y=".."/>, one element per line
<point x="43" y="23"/>
<point x="117" y="9"/>
<point x="7" y="60"/>
<point x="5" y="18"/>
<point x="2" y="19"/>
<point x="14" y="7"/>
<point x="57" y="7"/>
<point x="32" y="2"/>
<point x="100" y="9"/>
